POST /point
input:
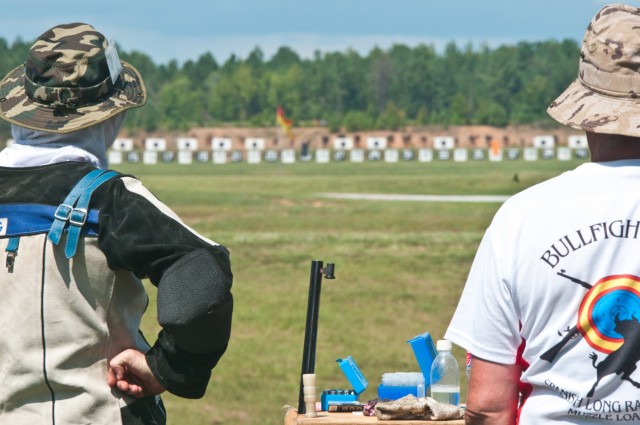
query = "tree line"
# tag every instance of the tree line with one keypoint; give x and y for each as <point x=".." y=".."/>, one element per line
<point x="386" y="89"/>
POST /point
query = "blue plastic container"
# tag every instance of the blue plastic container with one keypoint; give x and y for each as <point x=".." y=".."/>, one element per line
<point x="355" y="378"/>
<point x="399" y="384"/>
<point x="425" y="352"/>
<point x="394" y="393"/>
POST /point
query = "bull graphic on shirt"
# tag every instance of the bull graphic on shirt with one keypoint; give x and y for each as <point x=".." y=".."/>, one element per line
<point x="608" y="321"/>
<point x="622" y="361"/>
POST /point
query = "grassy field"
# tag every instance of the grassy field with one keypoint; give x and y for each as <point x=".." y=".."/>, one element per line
<point x="400" y="267"/>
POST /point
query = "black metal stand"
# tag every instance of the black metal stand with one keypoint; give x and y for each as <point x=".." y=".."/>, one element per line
<point x="311" y="328"/>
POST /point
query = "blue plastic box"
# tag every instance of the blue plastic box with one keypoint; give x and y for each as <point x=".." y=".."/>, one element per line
<point x="399" y="384"/>
<point x="425" y="352"/>
<point x="355" y="378"/>
<point x="387" y="392"/>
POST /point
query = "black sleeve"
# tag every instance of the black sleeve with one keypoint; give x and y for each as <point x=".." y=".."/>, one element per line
<point x="193" y="276"/>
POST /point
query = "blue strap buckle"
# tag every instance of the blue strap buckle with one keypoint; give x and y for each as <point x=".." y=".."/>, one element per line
<point x="78" y="216"/>
<point x="63" y="212"/>
<point x="78" y="202"/>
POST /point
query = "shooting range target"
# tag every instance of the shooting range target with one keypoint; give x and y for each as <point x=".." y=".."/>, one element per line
<point x="612" y="299"/>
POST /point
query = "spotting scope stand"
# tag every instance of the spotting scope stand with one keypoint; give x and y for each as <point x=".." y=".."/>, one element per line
<point x="311" y="328"/>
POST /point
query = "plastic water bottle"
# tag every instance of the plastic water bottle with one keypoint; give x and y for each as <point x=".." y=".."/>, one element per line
<point x="445" y="375"/>
<point x="468" y="359"/>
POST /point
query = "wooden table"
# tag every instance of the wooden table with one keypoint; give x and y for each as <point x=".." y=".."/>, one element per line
<point x="292" y="418"/>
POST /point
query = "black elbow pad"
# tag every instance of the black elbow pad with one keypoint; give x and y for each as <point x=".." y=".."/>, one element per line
<point x="195" y="303"/>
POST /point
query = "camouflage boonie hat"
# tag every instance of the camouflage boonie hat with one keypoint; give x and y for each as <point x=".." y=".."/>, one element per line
<point x="606" y="96"/>
<point x="72" y="79"/>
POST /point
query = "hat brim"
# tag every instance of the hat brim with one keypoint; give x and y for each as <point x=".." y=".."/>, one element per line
<point x="583" y="109"/>
<point x="17" y="108"/>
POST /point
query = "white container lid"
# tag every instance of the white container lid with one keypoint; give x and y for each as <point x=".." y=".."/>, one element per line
<point x="402" y="379"/>
<point x="443" y="345"/>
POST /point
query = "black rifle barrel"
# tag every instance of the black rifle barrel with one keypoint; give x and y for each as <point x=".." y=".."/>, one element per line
<point x="311" y="328"/>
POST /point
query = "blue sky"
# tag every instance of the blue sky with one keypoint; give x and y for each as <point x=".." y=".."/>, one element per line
<point x="184" y="29"/>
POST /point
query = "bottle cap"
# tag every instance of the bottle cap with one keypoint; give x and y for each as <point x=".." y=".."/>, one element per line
<point x="443" y="345"/>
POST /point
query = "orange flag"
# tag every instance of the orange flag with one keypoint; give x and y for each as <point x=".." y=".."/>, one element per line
<point x="285" y="123"/>
<point x="495" y="147"/>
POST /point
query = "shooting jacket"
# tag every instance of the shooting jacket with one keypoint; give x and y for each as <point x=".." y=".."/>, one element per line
<point x="62" y="320"/>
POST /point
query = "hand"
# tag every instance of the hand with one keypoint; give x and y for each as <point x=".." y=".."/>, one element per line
<point x="130" y="373"/>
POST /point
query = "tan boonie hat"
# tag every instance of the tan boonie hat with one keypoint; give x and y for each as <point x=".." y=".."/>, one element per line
<point x="606" y="96"/>
<point x="72" y="78"/>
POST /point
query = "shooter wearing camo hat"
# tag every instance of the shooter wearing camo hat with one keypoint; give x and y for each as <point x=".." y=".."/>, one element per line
<point x="72" y="79"/>
<point x="551" y="308"/>
<point x="77" y="239"/>
<point x="605" y="98"/>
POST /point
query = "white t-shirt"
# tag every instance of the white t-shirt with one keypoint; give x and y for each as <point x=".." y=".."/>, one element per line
<point x="559" y="269"/>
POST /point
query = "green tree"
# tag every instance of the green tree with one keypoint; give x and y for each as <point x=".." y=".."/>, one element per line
<point x="283" y="59"/>
<point x="222" y="103"/>
<point x="255" y="61"/>
<point x="380" y="80"/>
<point x="392" y="118"/>
<point x="531" y="102"/>
<point x="199" y="71"/>
<point x="247" y="90"/>
<point x="357" y="121"/>
<point x="490" y="112"/>
<point x="459" y="113"/>
<point x="179" y="106"/>
<point x="422" y="117"/>
<point x="413" y="82"/>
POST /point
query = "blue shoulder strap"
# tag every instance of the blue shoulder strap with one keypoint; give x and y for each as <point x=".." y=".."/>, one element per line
<point x="74" y="210"/>
<point x="78" y="216"/>
<point x="64" y="210"/>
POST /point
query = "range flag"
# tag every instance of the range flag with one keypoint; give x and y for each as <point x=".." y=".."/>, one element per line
<point x="495" y="147"/>
<point x="285" y="123"/>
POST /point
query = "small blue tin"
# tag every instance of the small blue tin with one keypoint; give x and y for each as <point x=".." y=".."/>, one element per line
<point x="355" y="378"/>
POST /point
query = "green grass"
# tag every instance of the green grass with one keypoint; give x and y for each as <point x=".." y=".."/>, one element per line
<point x="400" y="267"/>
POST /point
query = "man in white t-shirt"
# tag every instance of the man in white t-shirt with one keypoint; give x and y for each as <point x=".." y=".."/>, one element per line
<point x="551" y="307"/>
